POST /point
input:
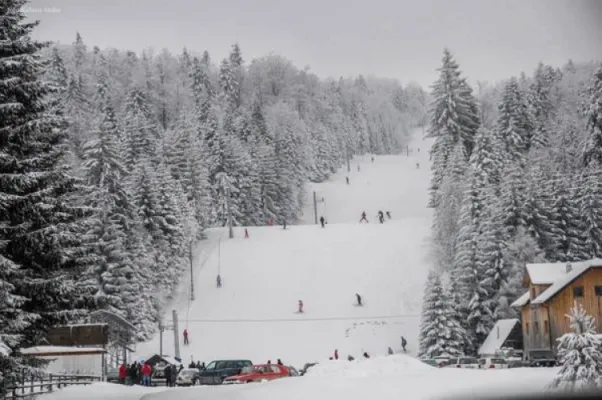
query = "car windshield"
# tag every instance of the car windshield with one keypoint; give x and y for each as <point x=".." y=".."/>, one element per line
<point x="247" y="369"/>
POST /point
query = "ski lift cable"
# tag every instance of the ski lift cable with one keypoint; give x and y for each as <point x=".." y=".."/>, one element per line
<point x="271" y="320"/>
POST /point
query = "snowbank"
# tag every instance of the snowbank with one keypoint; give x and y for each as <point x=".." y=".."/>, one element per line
<point x="395" y="365"/>
<point x="102" y="390"/>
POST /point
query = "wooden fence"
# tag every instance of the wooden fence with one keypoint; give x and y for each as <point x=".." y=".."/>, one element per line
<point x="33" y="385"/>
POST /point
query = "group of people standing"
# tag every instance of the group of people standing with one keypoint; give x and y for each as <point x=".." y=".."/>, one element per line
<point x="135" y="374"/>
<point x="366" y="355"/>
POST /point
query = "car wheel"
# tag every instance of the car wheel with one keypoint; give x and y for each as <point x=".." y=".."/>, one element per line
<point x="249" y="381"/>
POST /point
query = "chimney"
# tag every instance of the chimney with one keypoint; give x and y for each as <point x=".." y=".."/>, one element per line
<point x="569" y="268"/>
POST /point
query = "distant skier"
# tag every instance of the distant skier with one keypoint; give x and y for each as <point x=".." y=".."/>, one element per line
<point x="359" y="299"/>
<point x="284" y="224"/>
<point x="350" y="357"/>
<point x="185" y="337"/>
<point x="390" y="351"/>
<point x="219" y="281"/>
<point x="322" y="221"/>
<point x="381" y="217"/>
<point x="336" y="354"/>
<point x="417" y="165"/>
<point x="363" y="217"/>
<point x="246" y="233"/>
<point x="419" y="149"/>
<point x="404" y="342"/>
<point x="300" y="306"/>
<point x="347" y="179"/>
<point x="388" y="214"/>
<point x="372" y="159"/>
<point x="358" y="168"/>
<point x="366" y="355"/>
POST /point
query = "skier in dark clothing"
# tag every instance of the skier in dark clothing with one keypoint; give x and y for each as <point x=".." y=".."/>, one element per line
<point x="284" y="224"/>
<point x="390" y="351"/>
<point x="366" y="355"/>
<point x="167" y="372"/>
<point x="417" y="165"/>
<point x="300" y="306"/>
<point x="381" y="217"/>
<point x="322" y="221"/>
<point x="350" y="357"/>
<point x="192" y="365"/>
<point x="404" y="342"/>
<point x="174" y="375"/>
<point x="279" y="362"/>
<point x="219" y="281"/>
<point x="347" y="178"/>
<point x="389" y="214"/>
<point x="372" y="159"/>
<point x="359" y="299"/>
<point x="363" y="217"/>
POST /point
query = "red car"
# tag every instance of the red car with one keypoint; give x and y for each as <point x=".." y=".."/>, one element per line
<point x="259" y="373"/>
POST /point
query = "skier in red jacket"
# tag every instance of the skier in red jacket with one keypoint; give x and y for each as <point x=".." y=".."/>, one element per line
<point x="336" y="354"/>
<point x="147" y="371"/>
<point x="185" y="336"/>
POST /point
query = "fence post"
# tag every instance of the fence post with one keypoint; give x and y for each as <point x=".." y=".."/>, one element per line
<point x="32" y="382"/>
<point x="23" y="381"/>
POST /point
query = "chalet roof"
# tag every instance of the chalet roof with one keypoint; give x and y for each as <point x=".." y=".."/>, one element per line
<point x="578" y="269"/>
<point x="546" y="273"/>
<point x="522" y="300"/>
<point x="498" y="335"/>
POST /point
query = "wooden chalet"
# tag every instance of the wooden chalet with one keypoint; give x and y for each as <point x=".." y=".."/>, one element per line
<point x="552" y="290"/>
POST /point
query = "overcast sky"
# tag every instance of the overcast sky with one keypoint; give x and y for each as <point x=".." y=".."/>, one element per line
<point x="390" y="38"/>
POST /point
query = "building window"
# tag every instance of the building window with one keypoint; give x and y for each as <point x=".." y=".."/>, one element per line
<point x="527" y="327"/>
<point x="578" y="291"/>
<point x="598" y="290"/>
<point x="545" y="328"/>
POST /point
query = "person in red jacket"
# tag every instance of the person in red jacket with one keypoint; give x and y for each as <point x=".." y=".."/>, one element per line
<point x="185" y="336"/>
<point x="147" y="371"/>
<point x="123" y="373"/>
<point x="336" y="354"/>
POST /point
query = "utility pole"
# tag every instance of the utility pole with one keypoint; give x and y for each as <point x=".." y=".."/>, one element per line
<point x="230" y="229"/>
<point x="176" y="334"/>
<point x="348" y="164"/>
<point x="315" y="209"/>
<point x="191" y="273"/>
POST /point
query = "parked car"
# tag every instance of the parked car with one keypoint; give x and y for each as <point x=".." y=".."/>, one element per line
<point x="493" y="363"/>
<point x="218" y="370"/>
<point x="463" y="362"/>
<point x="113" y="375"/>
<point x="435" y="362"/>
<point x="188" y="377"/>
<point x="307" y="366"/>
<point x="158" y="377"/>
<point x="259" y="373"/>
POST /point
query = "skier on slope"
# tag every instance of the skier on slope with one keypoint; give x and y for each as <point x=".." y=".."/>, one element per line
<point x="417" y="165"/>
<point x="347" y="178"/>
<point x="336" y="354"/>
<point x="404" y="342"/>
<point x="322" y="221"/>
<point x="219" y="281"/>
<point x="388" y="214"/>
<point x="390" y="351"/>
<point x="359" y="299"/>
<point x="186" y="336"/>
<point x="363" y="217"/>
<point x="300" y="306"/>
<point x="381" y="217"/>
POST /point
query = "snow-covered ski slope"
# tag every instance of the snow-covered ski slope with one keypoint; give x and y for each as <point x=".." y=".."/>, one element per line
<point x="254" y="315"/>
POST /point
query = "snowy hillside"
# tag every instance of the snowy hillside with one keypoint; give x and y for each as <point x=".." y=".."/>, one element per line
<point x="254" y="314"/>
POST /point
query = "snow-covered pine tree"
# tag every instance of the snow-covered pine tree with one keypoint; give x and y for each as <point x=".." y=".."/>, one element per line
<point x="565" y="221"/>
<point x="440" y="331"/>
<point x="486" y="158"/>
<point x="139" y="129"/>
<point x="536" y="212"/>
<point x="580" y="355"/>
<point x="238" y="71"/>
<point x="589" y="202"/>
<point x="228" y="85"/>
<point x="440" y="152"/>
<point x="592" y="150"/>
<point x="42" y="225"/>
<point x="518" y="251"/>
<point x="515" y="122"/>
<point x="512" y="195"/>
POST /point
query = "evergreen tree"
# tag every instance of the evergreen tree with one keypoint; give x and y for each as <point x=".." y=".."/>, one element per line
<point x="580" y="355"/>
<point x="440" y="332"/>
<point x="486" y="158"/>
<point x="140" y="130"/>
<point x="514" y="125"/>
<point x="590" y="210"/>
<point x="42" y="251"/>
<point x="565" y="220"/>
<point x="592" y="150"/>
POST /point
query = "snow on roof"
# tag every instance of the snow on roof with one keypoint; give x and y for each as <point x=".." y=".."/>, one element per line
<point x="497" y="336"/>
<point x="578" y="269"/>
<point x="522" y="300"/>
<point x="546" y="273"/>
<point x="61" y="349"/>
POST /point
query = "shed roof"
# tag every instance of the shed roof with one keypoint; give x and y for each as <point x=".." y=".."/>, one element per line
<point x="546" y="273"/>
<point x="577" y="270"/>
<point x="61" y="350"/>
<point x="498" y="335"/>
<point x="522" y="300"/>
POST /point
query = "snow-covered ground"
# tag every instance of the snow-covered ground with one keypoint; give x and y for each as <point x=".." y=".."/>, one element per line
<point x="253" y="316"/>
<point x="393" y="377"/>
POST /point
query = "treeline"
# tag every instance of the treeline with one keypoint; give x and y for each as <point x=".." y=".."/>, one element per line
<point x="113" y="163"/>
<point x="513" y="183"/>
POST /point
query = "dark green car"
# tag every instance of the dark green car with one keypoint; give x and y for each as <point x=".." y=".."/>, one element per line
<point x="218" y="370"/>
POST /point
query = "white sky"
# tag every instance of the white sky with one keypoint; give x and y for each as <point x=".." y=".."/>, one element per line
<point x="390" y="38"/>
